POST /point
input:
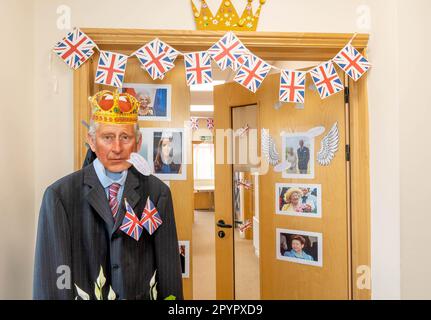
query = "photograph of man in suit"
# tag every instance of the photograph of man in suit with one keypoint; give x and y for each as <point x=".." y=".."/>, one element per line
<point x="303" y="157"/>
<point x="80" y="217"/>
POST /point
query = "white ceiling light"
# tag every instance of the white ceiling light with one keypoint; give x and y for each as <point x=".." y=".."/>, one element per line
<point x="205" y="87"/>
<point x="201" y="108"/>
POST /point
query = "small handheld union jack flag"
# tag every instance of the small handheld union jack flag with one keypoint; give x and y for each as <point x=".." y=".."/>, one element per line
<point x="156" y="58"/>
<point x="75" y="48"/>
<point x="292" y="86"/>
<point x="352" y="62"/>
<point x="326" y="79"/>
<point x="131" y="224"/>
<point x="150" y="219"/>
<point x="252" y="73"/>
<point x="210" y="123"/>
<point x="194" y="123"/>
<point x="198" y="68"/>
<point x="111" y="69"/>
<point x="227" y="50"/>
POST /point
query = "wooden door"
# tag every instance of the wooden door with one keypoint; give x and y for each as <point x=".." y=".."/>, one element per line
<point x="280" y="279"/>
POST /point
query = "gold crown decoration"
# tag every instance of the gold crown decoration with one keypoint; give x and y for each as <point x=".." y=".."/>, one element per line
<point x="114" y="108"/>
<point x="227" y="17"/>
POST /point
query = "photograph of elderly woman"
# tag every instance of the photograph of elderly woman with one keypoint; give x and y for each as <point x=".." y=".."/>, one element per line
<point x="304" y="200"/>
<point x="298" y="151"/>
<point x="299" y="247"/>
<point x="155" y="100"/>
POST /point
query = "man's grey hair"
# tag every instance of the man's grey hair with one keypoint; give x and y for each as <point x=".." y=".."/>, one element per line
<point x="94" y="125"/>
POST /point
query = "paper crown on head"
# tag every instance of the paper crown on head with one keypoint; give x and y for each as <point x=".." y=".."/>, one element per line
<point x="227" y="17"/>
<point x="114" y="108"/>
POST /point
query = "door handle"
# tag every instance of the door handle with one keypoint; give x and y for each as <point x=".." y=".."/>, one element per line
<point x="222" y="224"/>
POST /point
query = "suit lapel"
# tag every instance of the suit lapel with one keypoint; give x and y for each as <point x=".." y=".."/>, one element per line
<point x="96" y="196"/>
<point x="131" y="194"/>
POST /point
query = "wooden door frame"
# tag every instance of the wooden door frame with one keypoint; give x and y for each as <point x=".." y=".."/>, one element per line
<point x="270" y="46"/>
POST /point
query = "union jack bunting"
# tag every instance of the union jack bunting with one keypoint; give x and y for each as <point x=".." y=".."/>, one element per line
<point x="252" y="73"/>
<point x="131" y="224"/>
<point x="150" y="219"/>
<point x="171" y="53"/>
<point x="75" y="48"/>
<point x="198" y="68"/>
<point x="111" y="69"/>
<point x="352" y="62"/>
<point x="155" y="58"/>
<point x="326" y="79"/>
<point x="292" y="86"/>
<point x="240" y="59"/>
<point x="194" y="123"/>
<point x="210" y="123"/>
<point x="227" y="50"/>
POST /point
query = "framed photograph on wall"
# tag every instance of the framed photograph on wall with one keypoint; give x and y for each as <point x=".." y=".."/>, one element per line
<point x="184" y="248"/>
<point x="165" y="151"/>
<point x="301" y="247"/>
<point x="299" y="200"/>
<point x="298" y="150"/>
<point x="155" y="100"/>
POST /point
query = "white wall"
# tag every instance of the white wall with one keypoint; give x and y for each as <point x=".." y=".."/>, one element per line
<point x="16" y="150"/>
<point x="53" y="111"/>
<point x="415" y="154"/>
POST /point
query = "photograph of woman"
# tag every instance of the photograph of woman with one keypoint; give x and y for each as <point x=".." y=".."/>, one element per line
<point x="164" y="161"/>
<point x="302" y="200"/>
<point x="165" y="152"/>
<point x="300" y="247"/>
<point x="154" y="99"/>
<point x="297" y="244"/>
<point x="292" y="201"/>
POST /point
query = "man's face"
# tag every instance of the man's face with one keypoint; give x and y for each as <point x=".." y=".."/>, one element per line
<point x="113" y="145"/>
<point x="301" y="143"/>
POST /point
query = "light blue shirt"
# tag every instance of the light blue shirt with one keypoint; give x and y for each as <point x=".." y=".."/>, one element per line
<point x="107" y="178"/>
<point x="303" y="255"/>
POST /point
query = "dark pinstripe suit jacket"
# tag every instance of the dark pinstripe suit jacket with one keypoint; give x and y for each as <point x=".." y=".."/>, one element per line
<point x="76" y="229"/>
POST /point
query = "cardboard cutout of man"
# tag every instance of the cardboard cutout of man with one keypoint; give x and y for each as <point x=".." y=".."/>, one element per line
<point x="80" y="217"/>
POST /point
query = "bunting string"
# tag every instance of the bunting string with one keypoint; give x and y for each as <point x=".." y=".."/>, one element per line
<point x="158" y="58"/>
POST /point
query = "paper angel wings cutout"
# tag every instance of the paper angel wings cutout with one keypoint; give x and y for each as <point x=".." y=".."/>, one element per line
<point x="140" y="163"/>
<point x="329" y="146"/>
<point x="269" y="149"/>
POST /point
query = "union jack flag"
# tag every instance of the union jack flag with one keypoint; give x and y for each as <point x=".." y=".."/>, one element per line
<point x="194" y="123"/>
<point x="240" y="59"/>
<point x="131" y="224"/>
<point x="352" y="62"/>
<point x="150" y="219"/>
<point x="292" y="86"/>
<point x="246" y="225"/>
<point x="198" y="68"/>
<point x="155" y="58"/>
<point x="111" y="69"/>
<point x="210" y="123"/>
<point x="75" y="48"/>
<point x="252" y="73"/>
<point x="326" y="79"/>
<point x="227" y="50"/>
<point x="171" y="53"/>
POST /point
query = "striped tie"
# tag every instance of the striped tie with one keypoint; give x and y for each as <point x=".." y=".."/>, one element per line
<point x="113" y="200"/>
